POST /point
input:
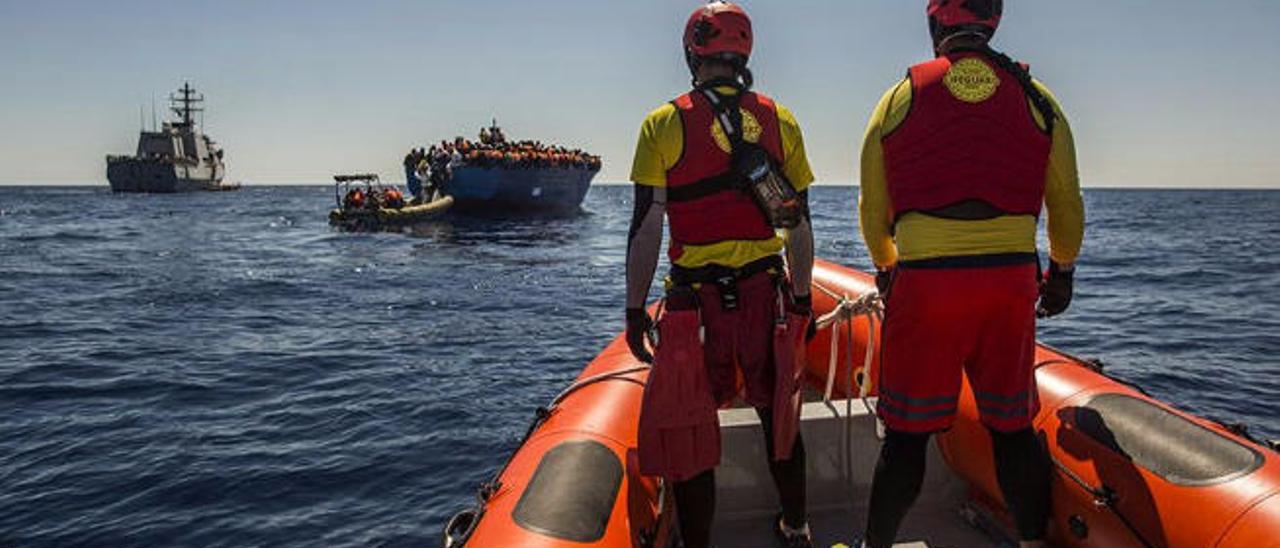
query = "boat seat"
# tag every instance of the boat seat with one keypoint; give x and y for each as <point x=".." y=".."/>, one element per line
<point x="1170" y="446"/>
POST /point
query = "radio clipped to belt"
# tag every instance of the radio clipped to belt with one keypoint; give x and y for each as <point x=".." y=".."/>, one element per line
<point x="770" y="190"/>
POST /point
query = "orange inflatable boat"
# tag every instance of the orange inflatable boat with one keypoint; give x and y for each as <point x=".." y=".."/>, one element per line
<point x="1128" y="470"/>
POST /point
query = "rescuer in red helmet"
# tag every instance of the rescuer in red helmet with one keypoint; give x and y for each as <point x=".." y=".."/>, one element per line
<point x="958" y="162"/>
<point x="726" y="167"/>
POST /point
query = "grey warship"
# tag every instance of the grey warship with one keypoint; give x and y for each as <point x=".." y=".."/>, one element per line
<point x="177" y="157"/>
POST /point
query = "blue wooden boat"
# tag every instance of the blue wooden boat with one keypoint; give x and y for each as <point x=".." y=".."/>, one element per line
<point x="498" y="177"/>
<point x="497" y="190"/>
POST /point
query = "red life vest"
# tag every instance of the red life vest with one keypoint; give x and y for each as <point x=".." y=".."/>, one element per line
<point x="727" y="214"/>
<point x="950" y="150"/>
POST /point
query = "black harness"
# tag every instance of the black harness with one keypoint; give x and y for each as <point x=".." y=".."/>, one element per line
<point x="1020" y="73"/>
<point x="727" y="111"/>
<point x="710" y="186"/>
<point x="724" y="278"/>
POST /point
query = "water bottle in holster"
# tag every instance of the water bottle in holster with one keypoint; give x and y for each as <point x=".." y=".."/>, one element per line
<point x="757" y="175"/>
<point x="773" y="194"/>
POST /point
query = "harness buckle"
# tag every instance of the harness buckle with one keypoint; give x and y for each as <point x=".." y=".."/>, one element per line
<point x="728" y="288"/>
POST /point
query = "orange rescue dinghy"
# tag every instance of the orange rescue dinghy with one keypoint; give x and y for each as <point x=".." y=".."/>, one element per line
<point x="1129" y="470"/>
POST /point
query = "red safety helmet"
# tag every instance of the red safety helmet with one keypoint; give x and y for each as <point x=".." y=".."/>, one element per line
<point x="951" y="14"/>
<point x="718" y="29"/>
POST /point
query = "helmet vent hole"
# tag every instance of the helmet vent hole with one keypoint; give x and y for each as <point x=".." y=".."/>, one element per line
<point x="702" y="33"/>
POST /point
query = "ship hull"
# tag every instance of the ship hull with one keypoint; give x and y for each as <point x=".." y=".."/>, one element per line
<point x="499" y="191"/>
<point x="132" y="175"/>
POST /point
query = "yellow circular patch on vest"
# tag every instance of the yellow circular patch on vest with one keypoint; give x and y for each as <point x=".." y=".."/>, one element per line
<point x="971" y="80"/>
<point x="751" y="131"/>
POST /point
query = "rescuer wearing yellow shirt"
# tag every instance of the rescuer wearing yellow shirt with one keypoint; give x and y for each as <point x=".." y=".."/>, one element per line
<point x="661" y="147"/>
<point x="958" y="162"/>
<point x="726" y="167"/>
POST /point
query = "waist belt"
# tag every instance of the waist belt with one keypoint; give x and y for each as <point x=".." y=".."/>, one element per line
<point x="725" y="278"/>
<point x="715" y="273"/>
<point x="973" y="261"/>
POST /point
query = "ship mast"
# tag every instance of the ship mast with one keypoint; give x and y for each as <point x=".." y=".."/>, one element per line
<point x="185" y="103"/>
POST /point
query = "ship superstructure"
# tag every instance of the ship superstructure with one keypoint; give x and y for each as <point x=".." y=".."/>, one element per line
<point x="177" y="157"/>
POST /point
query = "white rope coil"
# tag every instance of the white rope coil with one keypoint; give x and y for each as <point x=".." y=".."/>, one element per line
<point x="869" y="305"/>
<point x="843" y="315"/>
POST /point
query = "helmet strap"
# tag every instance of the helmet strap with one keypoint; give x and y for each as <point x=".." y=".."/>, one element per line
<point x="942" y="36"/>
<point x="694" y="63"/>
<point x="712" y="84"/>
<point x="943" y="44"/>
<point x="742" y="79"/>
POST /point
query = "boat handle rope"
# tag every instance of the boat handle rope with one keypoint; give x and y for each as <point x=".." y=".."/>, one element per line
<point x="846" y="310"/>
<point x="619" y="375"/>
<point x="463" y="524"/>
<point x="460" y="527"/>
<point x="1103" y="497"/>
<point x="870" y="305"/>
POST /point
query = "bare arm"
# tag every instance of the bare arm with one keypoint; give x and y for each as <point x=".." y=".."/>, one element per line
<point x="644" y="242"/>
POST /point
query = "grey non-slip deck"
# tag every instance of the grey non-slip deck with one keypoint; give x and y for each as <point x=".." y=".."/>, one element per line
<point x="839" y="482"/>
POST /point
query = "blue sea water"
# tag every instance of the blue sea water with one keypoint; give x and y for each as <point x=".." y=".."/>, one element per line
<point x="225" y="370"/>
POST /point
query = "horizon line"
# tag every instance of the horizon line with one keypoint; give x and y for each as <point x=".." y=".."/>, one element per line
<point x="827" y="184"/>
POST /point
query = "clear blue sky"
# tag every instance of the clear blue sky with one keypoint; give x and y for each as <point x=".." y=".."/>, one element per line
<point x="1160" y="93"/>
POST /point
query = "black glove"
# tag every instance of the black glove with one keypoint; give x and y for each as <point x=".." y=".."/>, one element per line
<point x="884" y="281"/>
<point x="1055" y="291"/>
<point x="803" y="304"/>
<point x="638" y="325"/>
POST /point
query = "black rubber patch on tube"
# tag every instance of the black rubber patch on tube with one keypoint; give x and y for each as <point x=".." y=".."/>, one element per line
<point x="1176" y="449"/>
<point x="572" y="493"/>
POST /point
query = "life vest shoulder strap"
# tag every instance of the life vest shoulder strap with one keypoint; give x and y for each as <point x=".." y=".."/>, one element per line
<point x="1021" y="73"/>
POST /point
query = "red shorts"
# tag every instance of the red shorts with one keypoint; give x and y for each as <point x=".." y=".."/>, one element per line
<point x="741" y="340"/>
<point x="940" y="322"/>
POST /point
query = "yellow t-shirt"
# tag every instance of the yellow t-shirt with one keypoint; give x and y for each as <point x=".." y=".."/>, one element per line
<point x="659" y="148"/>
<point x="920" y="236"/>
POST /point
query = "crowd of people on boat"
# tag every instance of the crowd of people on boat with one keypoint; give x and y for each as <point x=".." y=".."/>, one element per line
<point x="373" y="198"/>
<point x="427" y="171"/>
<point x="494" y="150"/>
<point x="519" y="155"/>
